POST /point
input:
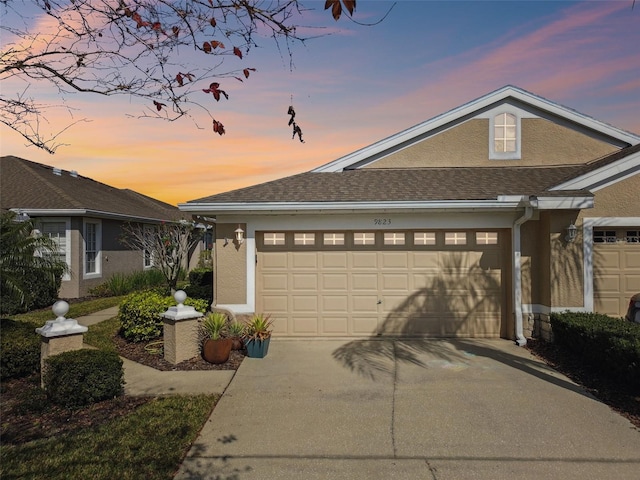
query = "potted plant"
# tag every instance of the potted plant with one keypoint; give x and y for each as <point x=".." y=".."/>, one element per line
<point x="216" y="347"/>
<point x="236" y="331"/>
<point x="257" y="334"/>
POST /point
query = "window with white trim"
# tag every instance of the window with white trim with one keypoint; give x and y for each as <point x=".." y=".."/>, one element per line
<point x="333" y="239"/>
<point x="147" y="256"/>
<point x="455" y="238"/>
<point x="274" y="238"/>
<point x="364" y="238"/>
<point x="393" y="238"/>
<point x="58" y="231"/>
<point x="424" y="238"/>
<point x="504" y="133"/>
<point x="486" y="238"/>
<point x="92" y="245"/>
<point x="304" y="238"/>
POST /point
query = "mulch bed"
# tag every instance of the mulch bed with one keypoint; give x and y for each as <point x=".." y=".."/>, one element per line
<point x="623" y="399"/>
<point x="151" y="355"/>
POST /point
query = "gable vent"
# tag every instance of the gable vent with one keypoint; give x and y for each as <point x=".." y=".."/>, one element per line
<point x="73" y="173"/>
<point x="57" y="171"/>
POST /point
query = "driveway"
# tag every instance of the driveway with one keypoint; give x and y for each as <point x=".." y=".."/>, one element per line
<point x="408" y="409"/>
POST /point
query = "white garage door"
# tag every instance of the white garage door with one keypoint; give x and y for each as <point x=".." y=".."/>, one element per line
<point x="616" y="269"/>
<point x="382" y="283"/>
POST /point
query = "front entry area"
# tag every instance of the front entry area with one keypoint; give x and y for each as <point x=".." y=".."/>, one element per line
<point x="408" y="283"/>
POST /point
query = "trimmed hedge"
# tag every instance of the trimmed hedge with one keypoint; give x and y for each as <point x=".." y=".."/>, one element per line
<point x="610" y="345"/>
<point x="81" y="377"/>
<point x="139" y="314"/>
<point x="19" y="349"/>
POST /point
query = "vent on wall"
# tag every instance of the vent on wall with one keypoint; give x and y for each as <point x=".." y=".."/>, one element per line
<point x="57" y="171"/>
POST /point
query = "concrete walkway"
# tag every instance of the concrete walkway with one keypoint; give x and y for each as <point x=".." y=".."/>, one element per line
<point x="141" y="380"/>
<point x="423" y="409"/>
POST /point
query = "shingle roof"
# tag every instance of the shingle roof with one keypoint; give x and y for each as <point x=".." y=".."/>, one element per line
<point x="380" y="185"/>
<point x="30" y="185"/>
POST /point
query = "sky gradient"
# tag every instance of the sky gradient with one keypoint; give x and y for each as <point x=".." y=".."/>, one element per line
<point x="357" y="85"/>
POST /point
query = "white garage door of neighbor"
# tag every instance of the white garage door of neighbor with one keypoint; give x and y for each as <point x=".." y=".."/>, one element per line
<point x="436" y="290"/>
<point x="616" y="269"/>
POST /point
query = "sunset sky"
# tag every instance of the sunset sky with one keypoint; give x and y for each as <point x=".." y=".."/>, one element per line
<point x="356" y="85"/>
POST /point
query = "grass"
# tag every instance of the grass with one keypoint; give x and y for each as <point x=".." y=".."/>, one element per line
<point x="148" y="443"/>
<point x="39" y="317"/>
<point x="101" y="334"/>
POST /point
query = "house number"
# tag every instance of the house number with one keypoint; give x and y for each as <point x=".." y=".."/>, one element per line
<point x="382" y="221"/>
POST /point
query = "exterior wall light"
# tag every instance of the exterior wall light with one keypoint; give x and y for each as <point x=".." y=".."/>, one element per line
<point x="572" y="231"/>
<point x="239" y="235"/>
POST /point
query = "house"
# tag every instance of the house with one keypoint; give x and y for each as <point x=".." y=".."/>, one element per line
<point x="83" y="216"/>
<point x="479" y="223"/>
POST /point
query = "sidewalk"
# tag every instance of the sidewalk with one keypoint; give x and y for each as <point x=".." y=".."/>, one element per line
<point x="141" y="380"/>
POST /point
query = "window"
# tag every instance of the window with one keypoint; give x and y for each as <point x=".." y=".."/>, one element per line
<point x="58" y="231"/>
<point x="504" y="133"/>
<point x="92" y="247"/>
<point x="393" y="238"/>
<point x="604" y="236"/>
<point x="333" y="239"/>
<point x="633" y="236"/>
<point x="486" y="238"/>
<point x="272" y="238"/>
<point x="304" y="239"/>
<point x="364" y="238"/>
<point x="424" y="238"/>
<point x="455" y="238"/>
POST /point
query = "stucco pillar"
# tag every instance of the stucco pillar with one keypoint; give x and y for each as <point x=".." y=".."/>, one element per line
<point x="180" y="329"/>
<point x="59" y="335"/>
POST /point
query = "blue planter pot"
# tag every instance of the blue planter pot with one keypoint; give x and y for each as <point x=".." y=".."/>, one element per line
<point x="257" y="348"/>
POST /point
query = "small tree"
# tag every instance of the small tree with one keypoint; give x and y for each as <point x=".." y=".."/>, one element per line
<point x="30" y="268"/>
<point x="167" y="245"/>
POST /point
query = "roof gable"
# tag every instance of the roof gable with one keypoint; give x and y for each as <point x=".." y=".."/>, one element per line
<point x="476" y="109"/>
<point x="34" y="187"/>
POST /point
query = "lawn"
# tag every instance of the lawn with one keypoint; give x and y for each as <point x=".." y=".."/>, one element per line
<point x="123" y="438"/>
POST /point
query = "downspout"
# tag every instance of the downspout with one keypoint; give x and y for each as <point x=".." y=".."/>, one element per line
<point x="530" y="204"/>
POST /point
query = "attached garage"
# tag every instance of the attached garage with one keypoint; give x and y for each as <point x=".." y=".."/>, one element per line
<point x="616" y="268"/>
<point x="357" y="283"/>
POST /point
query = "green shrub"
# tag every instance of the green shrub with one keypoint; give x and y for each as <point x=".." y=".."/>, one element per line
<point x="140" y="312"/>
<point x="609" y="345"/>
<point x="19" y="349"/>
<point x="41" y="291"/>
<point x="122" y="284"/>
<point x="81" y="377"/>
<point x="200" y="284"/>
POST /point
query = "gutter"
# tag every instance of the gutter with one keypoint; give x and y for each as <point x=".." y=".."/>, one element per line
<point x="530" y="203"/>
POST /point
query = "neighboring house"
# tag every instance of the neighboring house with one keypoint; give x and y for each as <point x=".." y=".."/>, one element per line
<point x="479" y="222"/>
<point x="83" y="216"/>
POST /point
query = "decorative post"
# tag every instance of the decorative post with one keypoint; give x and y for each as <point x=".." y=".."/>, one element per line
<point x="59" y="335"/>
<point x="180" y="331"/>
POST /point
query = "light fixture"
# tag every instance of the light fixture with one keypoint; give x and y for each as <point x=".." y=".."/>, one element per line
<point x="239" y="235"/>
<point x="22" y="217"/>
<point x="572" y="231"/>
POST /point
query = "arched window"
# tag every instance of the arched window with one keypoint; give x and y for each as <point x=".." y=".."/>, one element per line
<point x="504" y="133"/>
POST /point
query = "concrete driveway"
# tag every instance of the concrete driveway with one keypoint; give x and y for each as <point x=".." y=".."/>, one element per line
<point x="418" y="409"/>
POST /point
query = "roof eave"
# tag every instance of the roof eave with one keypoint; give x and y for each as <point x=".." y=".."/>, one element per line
<point x="81" y="212"/>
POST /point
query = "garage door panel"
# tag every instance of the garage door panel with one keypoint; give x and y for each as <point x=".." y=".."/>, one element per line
<point x="275" y="260"/>
<point x="364" y="281"/>
<point x="364" y="260"/>
<point x="280" y="325"/>
<point x="304" y="281"/>
<point x="304" y="260"/>
<point x="303" y="325"/>
<point x="304" y="303"/>
<point x="608" y="283"/>
<point x="364" y="325"/>
<point x="335" y="303"/>
<point x="632" y="283"/>
<point x="392" y="303"/>
<point x="607" y="259"/>
<point x="329" y="260"/>
<point x="607" y="305"/>
<point x="395" y="281"/>
<point x="426" y="261"/>
<point x="275" y="303"/>
<point x="364" y="304"/>
<point x="335" y="325"/>
<point x="334" y="281"/>
<point x="394" y="260"/>
<point x="275" y="282"/>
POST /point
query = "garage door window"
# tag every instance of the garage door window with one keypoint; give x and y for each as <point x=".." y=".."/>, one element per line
<point x="486" y="238"/>
<point x="455" y="238"/>
<point x="333" y="239"/>
<point x="272" y="238"/>
<point x="424" y="238"/>
<point x="364" y="238"/>
<point x="633" y="236"/>
<point x="604" y="236"/>
<point x="394" y="238"/>
<point x="304" y="239"/>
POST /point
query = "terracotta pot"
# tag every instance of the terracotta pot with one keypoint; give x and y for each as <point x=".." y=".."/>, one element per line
<point x="217" y="351"/>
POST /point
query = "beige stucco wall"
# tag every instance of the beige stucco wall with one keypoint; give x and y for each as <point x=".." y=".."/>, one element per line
<point x="467" y="144"/>
<point x="230" y="270"/>
<point x="621" y="199"/>
<point x="566" y="272"/>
